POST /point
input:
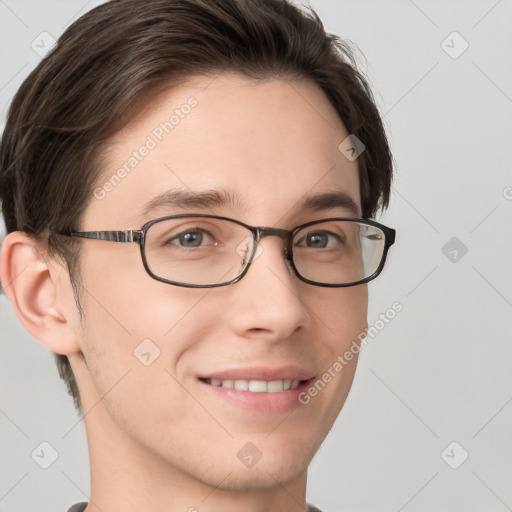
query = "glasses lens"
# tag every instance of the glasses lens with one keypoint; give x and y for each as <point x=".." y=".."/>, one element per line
<point x="197" y="250"/>
<point x="338" y="252"/>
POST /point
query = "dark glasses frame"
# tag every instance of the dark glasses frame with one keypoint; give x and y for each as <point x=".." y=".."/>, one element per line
<point x="258" y="232"/>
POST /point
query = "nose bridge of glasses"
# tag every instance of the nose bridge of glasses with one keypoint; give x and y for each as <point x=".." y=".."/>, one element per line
<point x="284" y="234"/>
<point x="262" y="232"/>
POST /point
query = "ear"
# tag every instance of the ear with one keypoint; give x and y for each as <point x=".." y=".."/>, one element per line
<point x="39" y="291"/>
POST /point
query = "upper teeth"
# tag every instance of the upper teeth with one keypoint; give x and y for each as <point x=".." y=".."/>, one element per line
<point x="257" y="386"/>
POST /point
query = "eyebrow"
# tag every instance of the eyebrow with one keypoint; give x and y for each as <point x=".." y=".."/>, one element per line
<point x="217" y="198"/>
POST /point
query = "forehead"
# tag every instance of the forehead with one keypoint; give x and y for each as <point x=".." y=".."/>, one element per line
<point x="263" y="147"/>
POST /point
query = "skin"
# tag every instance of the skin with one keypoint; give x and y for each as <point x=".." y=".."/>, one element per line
<point x="157" y="440"/>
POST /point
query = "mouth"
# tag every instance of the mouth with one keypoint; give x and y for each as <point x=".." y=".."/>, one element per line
<point x="256" y="386"/>
<point x="258" y="390"/>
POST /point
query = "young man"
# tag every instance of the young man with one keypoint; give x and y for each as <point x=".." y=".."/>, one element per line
<point x="187" y="190"/>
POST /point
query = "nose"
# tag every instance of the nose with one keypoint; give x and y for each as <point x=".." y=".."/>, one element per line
<point x="268" y="301"/>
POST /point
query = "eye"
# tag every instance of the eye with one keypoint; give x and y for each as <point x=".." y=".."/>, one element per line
<point x="190" y="238"/>
<point x="320" y="239"/>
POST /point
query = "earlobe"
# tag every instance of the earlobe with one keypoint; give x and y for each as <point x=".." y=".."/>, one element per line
<point x="32" y="286"/>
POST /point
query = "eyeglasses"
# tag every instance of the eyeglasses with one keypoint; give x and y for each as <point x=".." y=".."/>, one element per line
<point x="205" y="251"/>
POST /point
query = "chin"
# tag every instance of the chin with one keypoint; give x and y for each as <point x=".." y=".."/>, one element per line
<point x="262" y="475"/>
<point x="273" y="463"/>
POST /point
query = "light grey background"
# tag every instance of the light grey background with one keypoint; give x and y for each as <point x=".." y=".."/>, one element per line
<point x="440" y="371"/>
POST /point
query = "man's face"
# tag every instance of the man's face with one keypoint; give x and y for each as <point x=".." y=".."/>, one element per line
<point x="272" y="144"/>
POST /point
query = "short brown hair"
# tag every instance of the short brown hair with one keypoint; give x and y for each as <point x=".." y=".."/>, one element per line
<point x="110" y="61"/>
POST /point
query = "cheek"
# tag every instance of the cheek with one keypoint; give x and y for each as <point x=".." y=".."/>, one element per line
<point x="125" y="302"/>
<point x="344" y="316"/>
<point x="136" y="331"/>
<point x="343" y="313"/>
<point x="132" y="349"/>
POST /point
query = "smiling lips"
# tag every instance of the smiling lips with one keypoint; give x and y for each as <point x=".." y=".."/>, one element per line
<point x="256" y="386"/>
<point x="260" y="390"/>
<point x="260" y="379"/>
